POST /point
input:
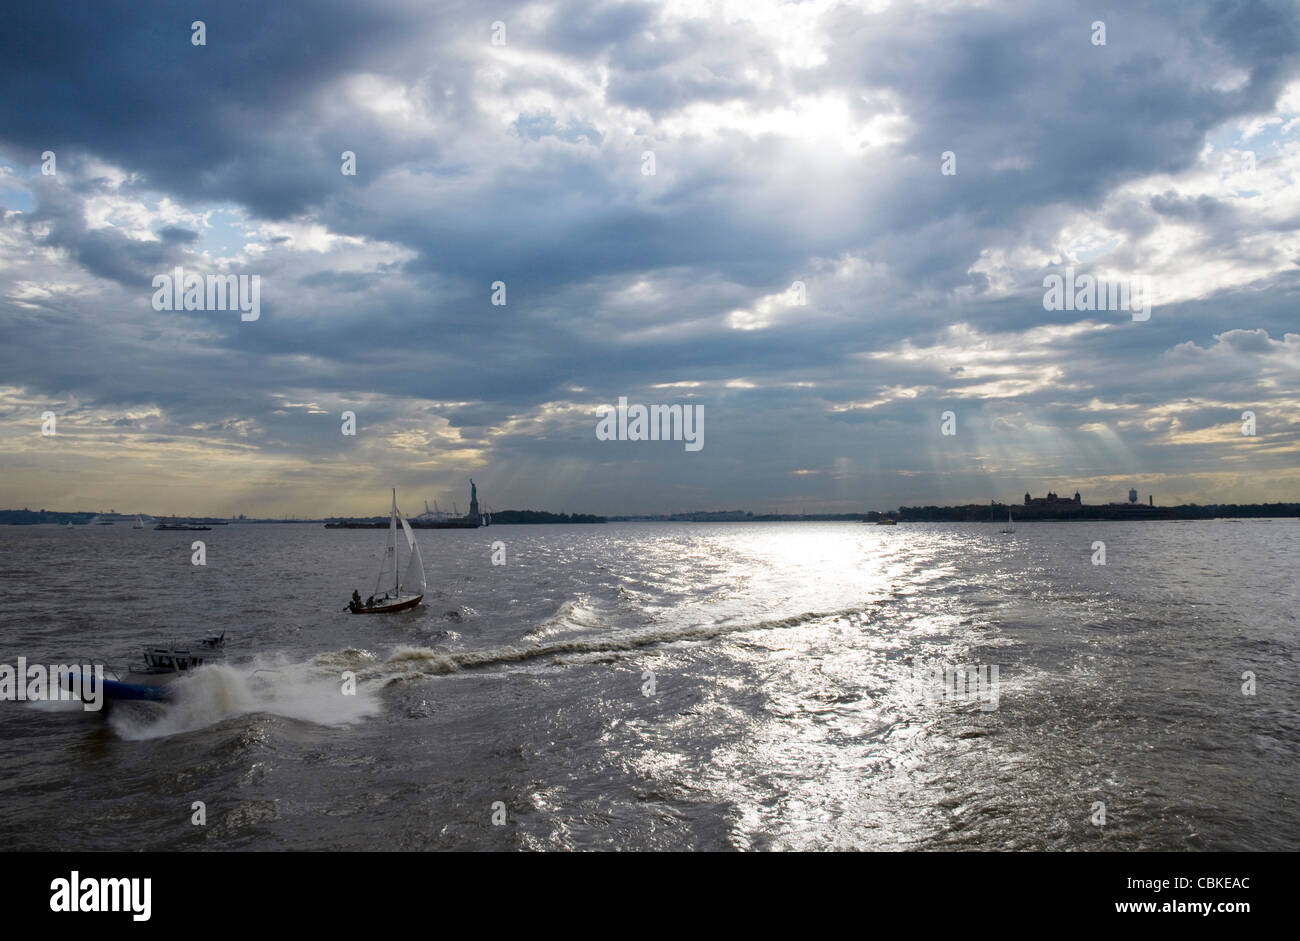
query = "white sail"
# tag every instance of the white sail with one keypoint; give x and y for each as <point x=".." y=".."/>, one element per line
<point x="392" y="547"/>
<point x="387" y="581"/>
<point x="413" y="581"/>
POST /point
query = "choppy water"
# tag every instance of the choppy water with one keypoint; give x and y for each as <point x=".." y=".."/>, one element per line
<point x="785" y="712"/>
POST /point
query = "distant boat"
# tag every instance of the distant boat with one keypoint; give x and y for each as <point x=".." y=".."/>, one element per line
<point x="1011" y="527"/>
<point x="400" y="591"/>
<point x="181" y="527"/>
<point x="886" y="522"/>
<point x="138" y="524"/>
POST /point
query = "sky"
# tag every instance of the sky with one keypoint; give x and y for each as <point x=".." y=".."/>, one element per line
<point x="825" y="226"/>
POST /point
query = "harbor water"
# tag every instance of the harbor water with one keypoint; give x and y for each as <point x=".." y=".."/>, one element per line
<point x="643" y="686"/>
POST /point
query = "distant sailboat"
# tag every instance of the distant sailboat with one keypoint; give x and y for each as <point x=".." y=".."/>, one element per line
<point x="138" y="524"/>
<point x="400" y="591"/>
<point x="1011" y="527"/>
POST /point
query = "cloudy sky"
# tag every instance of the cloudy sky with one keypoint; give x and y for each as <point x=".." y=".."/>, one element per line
<point x="791" y="142"/>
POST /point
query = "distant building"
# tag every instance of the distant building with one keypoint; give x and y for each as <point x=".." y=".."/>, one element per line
<point x="1132" y="504"/>
<point x="1052" y="500"/>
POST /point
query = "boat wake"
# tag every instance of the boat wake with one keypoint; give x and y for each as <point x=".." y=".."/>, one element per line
<point x="214" y="693"/>
<point x="312" y="692"/>
<point x="409" y="662"/>
<point x="578" y="614"/>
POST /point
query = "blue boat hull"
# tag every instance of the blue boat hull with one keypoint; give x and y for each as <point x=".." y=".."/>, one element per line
<point x="116" y="690"/>
<point x="131" y="691"/>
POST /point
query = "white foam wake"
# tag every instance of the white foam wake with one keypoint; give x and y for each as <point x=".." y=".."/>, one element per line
<point x="217" y="692"/>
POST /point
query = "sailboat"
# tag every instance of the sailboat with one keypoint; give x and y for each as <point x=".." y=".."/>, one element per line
<point x="400" y="591"/>
<point x="138" y="524"/>
<point x="1011" y="527"/>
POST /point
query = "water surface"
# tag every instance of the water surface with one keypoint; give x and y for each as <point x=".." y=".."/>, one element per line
<point x="785" y="711"/>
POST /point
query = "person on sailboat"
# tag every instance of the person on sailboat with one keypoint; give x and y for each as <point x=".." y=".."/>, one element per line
<point x="356" y="596"/>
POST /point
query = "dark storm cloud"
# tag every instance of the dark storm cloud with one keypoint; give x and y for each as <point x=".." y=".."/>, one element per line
<point x="121" y="80"/>
<point x="59" y="223"/>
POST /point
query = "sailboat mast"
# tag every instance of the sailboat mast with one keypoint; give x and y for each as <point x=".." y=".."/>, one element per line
<point x="397" y="556"/>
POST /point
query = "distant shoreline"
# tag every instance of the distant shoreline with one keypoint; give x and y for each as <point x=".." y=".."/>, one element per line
<point x="26" y="517"/>
<point x="972" y="513"/>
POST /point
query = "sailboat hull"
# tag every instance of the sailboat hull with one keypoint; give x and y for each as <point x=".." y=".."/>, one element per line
<point x="387" y="608"/>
